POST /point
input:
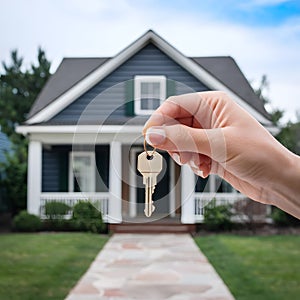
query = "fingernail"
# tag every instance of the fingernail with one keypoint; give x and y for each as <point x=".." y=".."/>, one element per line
<point x="192" y="164"/>
<point x="155" y="136"/>
<point x="176" y="158"/>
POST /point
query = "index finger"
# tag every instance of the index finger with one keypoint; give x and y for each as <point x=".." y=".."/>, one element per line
<point x="173" y="109"/>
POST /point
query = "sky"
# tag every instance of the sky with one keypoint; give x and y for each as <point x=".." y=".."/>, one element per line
<point x="263" y="36"/>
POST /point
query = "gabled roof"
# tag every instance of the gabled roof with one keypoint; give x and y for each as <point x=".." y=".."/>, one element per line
<point x="220" y="67"/>
<point x="75" y="76"/>
<point x="69" y="72"/>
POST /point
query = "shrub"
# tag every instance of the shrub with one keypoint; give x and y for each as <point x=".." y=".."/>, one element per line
<point x="26" y="222"/>
<point x="218" y="217"/>
<point x="87" y="218"/>
<point x="56" y="210"/>
<point x="282" y="218"/>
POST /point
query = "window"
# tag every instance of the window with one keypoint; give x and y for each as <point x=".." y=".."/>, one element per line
<point x="149" y="93"/>
<point x="213" y="184"/>
<point x="82" y="172"/>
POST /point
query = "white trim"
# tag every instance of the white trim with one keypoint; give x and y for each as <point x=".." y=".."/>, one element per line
<point x="115" y="182"/>
<point x="24" y="129"/>
<point x="104" y="70"/>
<point x="99" y="201"/>
<point x="74" y="195"/>
<point x="34" y="177"/>
<point x="89" y="81"/>
<point x="187" y="195"/>
<point x="89" y="154"/>
<point x="172" y="194"/>
<point x="138" y="80"/>
<point x="132" y="182"/>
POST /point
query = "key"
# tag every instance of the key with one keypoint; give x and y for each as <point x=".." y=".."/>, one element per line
<point x="149" y="167"/>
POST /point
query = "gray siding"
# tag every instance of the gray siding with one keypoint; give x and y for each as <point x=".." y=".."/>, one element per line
<point x="50" y="171"/>
<point x="55" y="170"/>
<point x="107" y="98"/>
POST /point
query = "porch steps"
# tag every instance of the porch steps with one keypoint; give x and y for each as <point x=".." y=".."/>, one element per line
<point x="152" y="228"/>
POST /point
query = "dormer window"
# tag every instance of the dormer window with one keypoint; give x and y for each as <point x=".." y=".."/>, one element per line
<point x="149" y="93"/>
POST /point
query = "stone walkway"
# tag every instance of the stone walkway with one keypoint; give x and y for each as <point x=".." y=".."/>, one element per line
<point x="146" y="266"/>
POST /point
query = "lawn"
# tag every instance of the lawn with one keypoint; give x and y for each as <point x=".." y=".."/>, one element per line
<point x="44" y="266"/>
<point x="259" y="268"/>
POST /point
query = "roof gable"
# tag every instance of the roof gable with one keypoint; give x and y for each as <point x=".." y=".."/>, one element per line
<point x="44" y="110"/>
<point x="69" y="72"/>
<point x="220" y="67"/>
<point x="105" y="101"/>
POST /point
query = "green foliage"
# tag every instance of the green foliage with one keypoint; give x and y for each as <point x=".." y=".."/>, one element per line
<point x="85" y="210"/>
<point x="19" y="87"/>
<point x="217" y="217"/>
<point x="282" y="218"/>
<point x="26" y="222"/>
<point x="14" y="181"/>
<point x="290" y="137"/>
<point x="276" y="114"/>
<point x="87" y="218"/>
<point x="56" y="210"/>
<point x="18" y="90"/>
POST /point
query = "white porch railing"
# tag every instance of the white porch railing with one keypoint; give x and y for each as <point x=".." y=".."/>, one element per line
<point x="99" y="200"/>
<point x="202" y="199"/>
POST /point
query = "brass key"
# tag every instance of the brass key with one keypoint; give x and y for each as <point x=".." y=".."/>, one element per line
<point x="149" y="166"/>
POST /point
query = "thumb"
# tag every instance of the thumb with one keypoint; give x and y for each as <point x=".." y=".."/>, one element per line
<point x="179" y="138"/>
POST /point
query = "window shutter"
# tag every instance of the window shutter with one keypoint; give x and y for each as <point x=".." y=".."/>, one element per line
<point x="170" y="88"/>
<point x="63" y="171"/>
<point x="129" y="94"/>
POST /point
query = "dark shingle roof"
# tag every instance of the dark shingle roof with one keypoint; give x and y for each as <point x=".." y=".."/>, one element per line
<point x="69" y="72"/>
<point x="226" y="70"/>
<point x="72" y="70"/>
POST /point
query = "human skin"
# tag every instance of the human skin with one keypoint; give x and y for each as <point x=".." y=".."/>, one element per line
<point x="214" y="135"/>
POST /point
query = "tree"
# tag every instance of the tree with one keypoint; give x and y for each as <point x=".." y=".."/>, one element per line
<point x="18" y="89"/>
<point x="276" y="114"/>
<point x="289" y="136"/>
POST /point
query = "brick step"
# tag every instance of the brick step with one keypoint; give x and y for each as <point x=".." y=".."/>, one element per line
<point x="152" y="228"/>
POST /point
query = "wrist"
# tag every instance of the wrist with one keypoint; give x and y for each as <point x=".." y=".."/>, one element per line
<point x="285" y="191"/>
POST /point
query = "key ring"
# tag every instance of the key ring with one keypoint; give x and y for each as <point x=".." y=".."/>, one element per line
<point x="145" y="148"/>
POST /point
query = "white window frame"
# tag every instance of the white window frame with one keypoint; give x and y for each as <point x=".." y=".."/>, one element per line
<point x="89" y="154"/>
<point x="137" y="92"/>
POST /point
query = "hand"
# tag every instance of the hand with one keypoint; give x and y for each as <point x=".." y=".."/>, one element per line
<point x="213" y="134"/>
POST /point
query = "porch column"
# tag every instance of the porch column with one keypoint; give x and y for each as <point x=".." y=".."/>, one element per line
<point x="115" y="183"/>
<point x="34" y="177"/>
<point x="187" y="195"/>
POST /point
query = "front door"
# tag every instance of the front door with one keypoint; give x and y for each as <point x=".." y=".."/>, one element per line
<point x="162" y="190"/>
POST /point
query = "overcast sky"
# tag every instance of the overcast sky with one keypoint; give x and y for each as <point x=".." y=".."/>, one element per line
<point x="263" y="36"/>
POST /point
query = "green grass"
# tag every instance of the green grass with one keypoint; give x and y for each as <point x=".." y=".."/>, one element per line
<point x="256" y="267"/>
<point x="44" y="266"/>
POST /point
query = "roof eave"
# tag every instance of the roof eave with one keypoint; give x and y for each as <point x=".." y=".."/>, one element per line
<point x="88" y="82"/>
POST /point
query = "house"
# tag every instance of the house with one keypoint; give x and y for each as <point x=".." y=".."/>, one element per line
<point x="85" y="126"/>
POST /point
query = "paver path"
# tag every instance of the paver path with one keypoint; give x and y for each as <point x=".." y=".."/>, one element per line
<point x="146" y="266"/>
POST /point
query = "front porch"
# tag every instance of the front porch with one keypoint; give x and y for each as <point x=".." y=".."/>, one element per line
<point x="101" y="201"/>
<point x="100" y="166"/>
